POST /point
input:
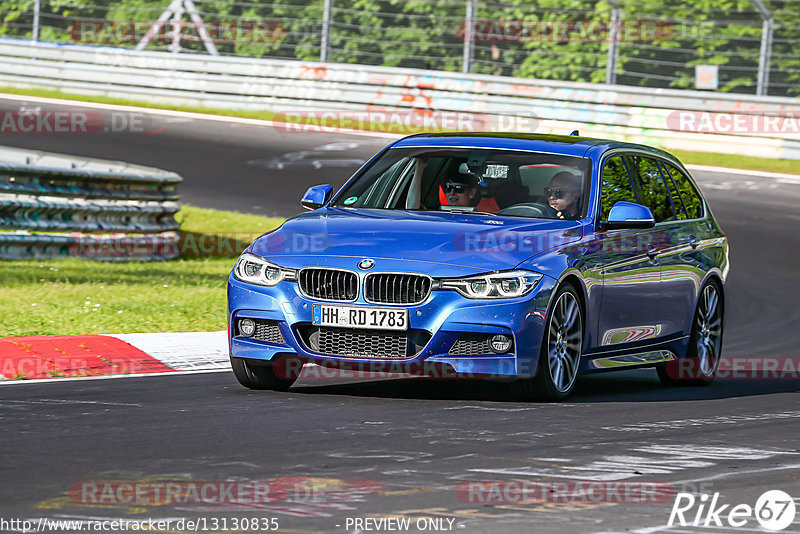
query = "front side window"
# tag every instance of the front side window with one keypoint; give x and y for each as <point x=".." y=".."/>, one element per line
<point x="650" y="185"/>
<point x="503" y="182"/>
<point x="616" y="186"/>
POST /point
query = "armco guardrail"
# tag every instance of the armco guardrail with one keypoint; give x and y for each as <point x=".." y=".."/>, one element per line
<point x="621" y="112"/>
<point x="41" y="193"/>
<point x="25" y="246"/>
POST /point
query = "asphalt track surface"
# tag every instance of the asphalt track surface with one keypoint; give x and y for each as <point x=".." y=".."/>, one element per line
<point x="402" y="448"/>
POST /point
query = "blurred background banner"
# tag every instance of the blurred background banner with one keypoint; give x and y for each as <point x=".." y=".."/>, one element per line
<point x="755" y="44"/>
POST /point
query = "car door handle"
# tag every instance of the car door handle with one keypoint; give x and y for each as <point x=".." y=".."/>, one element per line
<point x="694" y="241"/>
<point x="652" y="252"/>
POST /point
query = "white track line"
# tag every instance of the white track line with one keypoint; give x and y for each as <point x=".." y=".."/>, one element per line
<point x="743" y="172"/>
<point x="184" y="351"/>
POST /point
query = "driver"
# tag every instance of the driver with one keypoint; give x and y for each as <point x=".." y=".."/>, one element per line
<point x="462" y="190"/>
<point x="564" y="194"/>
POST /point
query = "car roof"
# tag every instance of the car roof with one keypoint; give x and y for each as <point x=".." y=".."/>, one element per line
<point x="568" y="145"/>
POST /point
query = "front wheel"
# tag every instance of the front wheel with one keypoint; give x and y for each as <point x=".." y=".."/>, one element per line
<point x="560" y="356"/>
<point x="705" y="344"/>
<point x="261" y="376"/>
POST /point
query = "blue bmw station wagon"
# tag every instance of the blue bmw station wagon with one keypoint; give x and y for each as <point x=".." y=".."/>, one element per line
<point x="532" y="257"/>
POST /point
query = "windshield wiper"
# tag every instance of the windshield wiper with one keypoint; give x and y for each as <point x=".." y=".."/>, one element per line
<point x="456" y="210"/>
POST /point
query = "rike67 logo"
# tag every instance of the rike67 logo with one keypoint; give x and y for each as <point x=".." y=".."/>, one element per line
<point x="774" y="510"/>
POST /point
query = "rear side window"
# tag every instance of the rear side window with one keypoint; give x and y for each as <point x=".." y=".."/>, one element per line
<point x="689" y="195"/>
<point x="677" y="203"/>
<point x="616" y="186"/>
<point x="650" y="185"/>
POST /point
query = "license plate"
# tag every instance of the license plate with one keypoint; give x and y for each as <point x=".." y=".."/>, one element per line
<point x="359" y="317"/>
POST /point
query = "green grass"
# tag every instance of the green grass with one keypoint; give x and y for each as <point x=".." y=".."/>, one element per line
<point x="73" y="296"/>
<point x="687" y="157"/>
<point x="223" y="223"/>
<point x="733" y="161"/>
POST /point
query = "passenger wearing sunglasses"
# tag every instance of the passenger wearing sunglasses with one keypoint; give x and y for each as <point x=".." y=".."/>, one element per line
<point x="564" y="194"/>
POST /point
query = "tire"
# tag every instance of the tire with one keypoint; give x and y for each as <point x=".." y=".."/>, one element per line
<point x="699" y="368"/>
<point x="259" y="376"/>
<point x="562" y="347"/>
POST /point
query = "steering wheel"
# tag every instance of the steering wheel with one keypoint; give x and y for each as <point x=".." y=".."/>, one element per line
<point x="529" y="209"/>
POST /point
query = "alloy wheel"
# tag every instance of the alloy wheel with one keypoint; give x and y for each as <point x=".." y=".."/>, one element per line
<point x="708" y="331"/>
<point x="565" y="339"/>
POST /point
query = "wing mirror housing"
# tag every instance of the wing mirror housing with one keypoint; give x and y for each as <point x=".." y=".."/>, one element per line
<point x="317" y="196"/>
<point x="629" y="215"/>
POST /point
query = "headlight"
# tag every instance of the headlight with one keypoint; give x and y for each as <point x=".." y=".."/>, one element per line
<point x="502" y="285"/>
<point x="254" y="270"/>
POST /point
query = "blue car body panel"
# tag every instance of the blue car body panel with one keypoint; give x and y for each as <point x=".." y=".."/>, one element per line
<point x="467" y="242"/>
<point x="634" y="302"/>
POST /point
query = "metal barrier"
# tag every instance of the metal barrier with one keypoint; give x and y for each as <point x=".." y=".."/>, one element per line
<point x="44" y="192"/>
<point x="621" y="112"/>
<point x="26" y="246"/>
<point x="742" y="47"/>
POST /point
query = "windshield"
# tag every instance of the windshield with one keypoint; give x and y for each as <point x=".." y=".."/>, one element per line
<point x="502" y="182"/>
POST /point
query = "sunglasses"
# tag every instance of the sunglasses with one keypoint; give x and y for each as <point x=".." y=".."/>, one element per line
<point x="454" y="188"/>
<point x="558" y="193"/>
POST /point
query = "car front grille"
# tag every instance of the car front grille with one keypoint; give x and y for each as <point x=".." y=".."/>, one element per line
<point x="362" y="343"/>
<point x="396" y="288"/>
<point x="329" y="284"/>
<point x="359" y="343"/>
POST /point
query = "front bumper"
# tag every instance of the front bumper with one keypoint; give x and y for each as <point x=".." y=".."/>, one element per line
<point x="442" y="318"/>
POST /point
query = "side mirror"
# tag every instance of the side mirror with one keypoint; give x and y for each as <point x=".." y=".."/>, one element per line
<point x="317" y="196"/>
<point x="629" y="215"/>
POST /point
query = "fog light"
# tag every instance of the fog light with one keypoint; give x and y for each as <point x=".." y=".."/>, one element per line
<point x="247" y="327"/>
<point x="500" y="343"/>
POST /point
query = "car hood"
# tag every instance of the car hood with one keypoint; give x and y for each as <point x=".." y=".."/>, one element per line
<point x="396" y="238"/>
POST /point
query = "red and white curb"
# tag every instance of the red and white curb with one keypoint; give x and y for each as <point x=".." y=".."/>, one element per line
<point x="65" y="357"/>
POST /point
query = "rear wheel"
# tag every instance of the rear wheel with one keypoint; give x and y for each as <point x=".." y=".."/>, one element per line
<point x="261" y="376"/>
<point x="705" y="344"/>
<point x="560" y="356"/>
